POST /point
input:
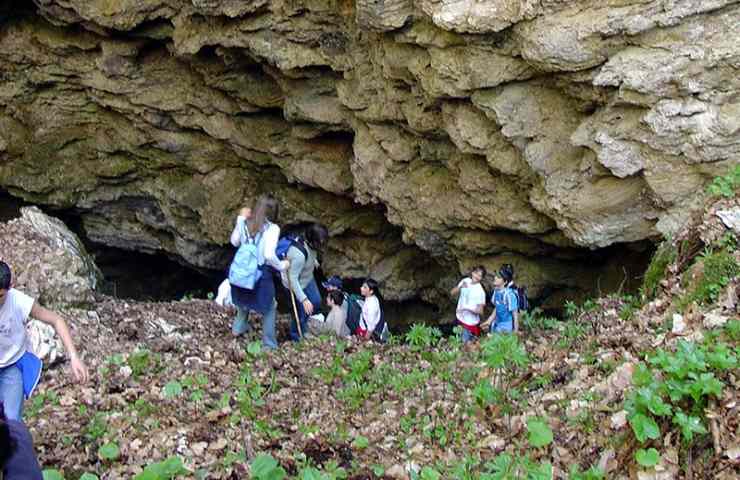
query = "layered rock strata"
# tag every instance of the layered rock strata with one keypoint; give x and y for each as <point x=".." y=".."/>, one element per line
<point x="428" y="136"/>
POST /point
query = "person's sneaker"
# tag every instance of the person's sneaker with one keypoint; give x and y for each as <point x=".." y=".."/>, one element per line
<point x="240" y="326"/>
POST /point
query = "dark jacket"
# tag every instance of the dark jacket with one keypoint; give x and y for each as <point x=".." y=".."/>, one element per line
<point x="22" y="465"/>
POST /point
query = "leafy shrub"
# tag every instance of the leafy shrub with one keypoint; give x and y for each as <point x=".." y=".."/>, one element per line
<point x="719" y="269"/>
<point x="422" y="337"/>
<point x="726" y="185"/>
<point x="673" y="388"/>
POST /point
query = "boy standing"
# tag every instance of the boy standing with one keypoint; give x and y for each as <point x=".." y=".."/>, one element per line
<point x="505" y="303"/>
<point x="471" y="302"/>
<point x="15" y="309"/>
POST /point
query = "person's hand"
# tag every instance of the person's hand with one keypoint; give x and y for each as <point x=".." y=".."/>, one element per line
<point x="245" y="212"/>
<point x="78" y="369"/>
<point x="308" y="307"/>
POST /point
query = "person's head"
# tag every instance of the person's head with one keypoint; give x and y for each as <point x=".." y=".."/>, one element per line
<point x="317" y="236"/>
<point x="333" y="283"/>
<point x="502" y="278"/>
<point x="370" y="287"/>
<point x="508" y="271"/>
<point x="266" y="208"/>
<point x="5" y="281"/>
<point x="7" y="445"/>
<point x="478" y="273"/>
<point x="334" y="298"/>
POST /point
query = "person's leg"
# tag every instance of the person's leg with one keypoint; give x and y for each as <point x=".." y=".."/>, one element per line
<point x="11" y="392"/>
<point x="467" y="336"/>
<point x="269" y="338"/>
<point x="241" y="324"/>
<point x="313" y="295"/>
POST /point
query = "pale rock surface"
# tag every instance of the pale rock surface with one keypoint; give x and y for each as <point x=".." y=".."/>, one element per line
<point x="429" y="136"/>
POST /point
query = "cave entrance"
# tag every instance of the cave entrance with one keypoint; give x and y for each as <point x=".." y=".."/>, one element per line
<point x="133" y="275"/>
<point x="10" y="206"/>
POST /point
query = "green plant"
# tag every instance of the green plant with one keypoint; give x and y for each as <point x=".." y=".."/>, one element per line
<point x="537" y="320"/>
<point x="647" y="458"/>
<point x="540" y="434"/>
<point x="593" y="473"/>
<point x="97" y="427"/>
<point x="265" y="467"/>
<point x="719" y="268"/>
<point x="507" y="358"/>
<point x="675" y="386"/>
<point x="51" y="474"/>
<point x="109" y="451"/>
<point x="167" y="469"/>
<point x="421" y="337"/>
<point x="507" y="467"/>
<point x="663" y="256"/>
<point x="726" y="185"/>
<point x="140" y="361"/>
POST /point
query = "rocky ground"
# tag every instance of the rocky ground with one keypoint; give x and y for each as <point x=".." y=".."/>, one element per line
<point x="169" y="381"/>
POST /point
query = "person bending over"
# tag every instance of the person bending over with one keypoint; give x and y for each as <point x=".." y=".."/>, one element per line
<point x="15" y="309"/>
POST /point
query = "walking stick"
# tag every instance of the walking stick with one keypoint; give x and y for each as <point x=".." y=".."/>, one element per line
<point x="295" y="308"/>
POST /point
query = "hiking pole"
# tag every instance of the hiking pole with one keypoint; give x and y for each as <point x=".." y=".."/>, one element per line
<point x="292" y="300"/>
<point x="295" y="311"/>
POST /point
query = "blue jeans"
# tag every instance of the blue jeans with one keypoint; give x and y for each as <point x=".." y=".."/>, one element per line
<point x="312" y="292"/>
<point x="467" y="336"/>
<point x="502" y="327"/>
<point x="241" y="325"/>
<point x="11" y="392"/>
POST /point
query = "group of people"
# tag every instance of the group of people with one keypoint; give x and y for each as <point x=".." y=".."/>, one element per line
<point x="20" y="370"/>
<point x="292" y="260"/>
<point x="472" y="301"/>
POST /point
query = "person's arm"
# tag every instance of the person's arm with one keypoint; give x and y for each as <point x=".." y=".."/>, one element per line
<point x="269" y="244"/>
<point x="236" y="234"/>
<point x="514" y="309"/>
<point x="297" y="262"/>
<point x="456" y="290"/>
<point x="55" y="320"/>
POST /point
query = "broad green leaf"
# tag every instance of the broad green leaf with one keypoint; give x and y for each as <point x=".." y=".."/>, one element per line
<point x="254" y="348"/>
<point x="310" y="474"/>
<point x="647" y="458"/>
<point x="172" y="389"/>
<point x="689" y="425"/>
<point x="540" y="433"/>
<point x="52" y="475"/>
<point x="109" y="451"/>
<point x="644" y="427"/>
<point x="360" y="442"/>
<point x="264" y="467"/>
<point x="89" y="476"/>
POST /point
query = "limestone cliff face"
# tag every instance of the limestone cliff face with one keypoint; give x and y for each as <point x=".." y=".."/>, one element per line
<point x="426" y="134"/>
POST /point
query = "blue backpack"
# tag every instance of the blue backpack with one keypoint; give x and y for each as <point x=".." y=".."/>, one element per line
<point x="245" y="271"/>
<point x="290" y="241"/>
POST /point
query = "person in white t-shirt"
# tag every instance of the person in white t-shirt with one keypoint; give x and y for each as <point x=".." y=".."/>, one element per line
<point x="471" y="303"/>
<point x="15" y="309"/>
<point x="372" y="314"/>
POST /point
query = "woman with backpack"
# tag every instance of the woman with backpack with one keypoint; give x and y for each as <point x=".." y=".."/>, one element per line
<point x="257" y="227"/>
<point x="372" y="314"/>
